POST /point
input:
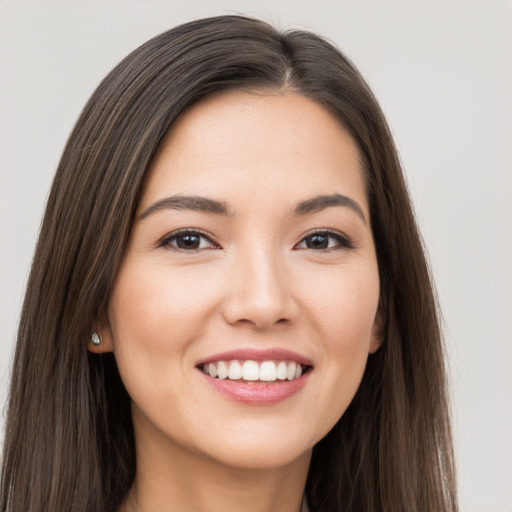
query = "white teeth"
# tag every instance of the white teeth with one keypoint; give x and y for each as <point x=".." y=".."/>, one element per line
<point x="290" y="371"/>
<point x="282" y="370"/>
<point x="212" y="369"/>
<point x="235" y="370"/>
<point x="268" y="371"/>
<point x="250" y="370"/>
<point x="265" y="371"/>
<point x="222" y="370"/>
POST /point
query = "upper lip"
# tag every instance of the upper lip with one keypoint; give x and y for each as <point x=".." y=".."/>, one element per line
<point x="255" y="354"/>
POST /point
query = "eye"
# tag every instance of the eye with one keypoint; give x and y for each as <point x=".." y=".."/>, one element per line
<point x="325" y="240"/>
<point x="188" y="240"/>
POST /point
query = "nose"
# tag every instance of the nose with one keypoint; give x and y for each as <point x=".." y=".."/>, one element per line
<point x="260" y="292"/>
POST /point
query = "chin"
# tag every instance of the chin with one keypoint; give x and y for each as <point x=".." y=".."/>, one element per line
<point x="261" y="445"/>
<point x="259" y="455"/>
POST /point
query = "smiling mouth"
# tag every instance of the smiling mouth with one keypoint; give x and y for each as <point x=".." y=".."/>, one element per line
<point x="250" y="371"/>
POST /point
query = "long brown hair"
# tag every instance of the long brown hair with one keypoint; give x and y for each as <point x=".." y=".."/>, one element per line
<point x="69" y="443"/>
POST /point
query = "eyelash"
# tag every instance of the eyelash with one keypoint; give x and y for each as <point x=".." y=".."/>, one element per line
<point x="166" y="241"/>
<point x="342" y="241"/>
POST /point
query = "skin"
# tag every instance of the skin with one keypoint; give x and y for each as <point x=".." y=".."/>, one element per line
<point x="254" y="282"/>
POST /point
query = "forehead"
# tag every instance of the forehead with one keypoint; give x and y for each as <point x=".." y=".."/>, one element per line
<point x="272" y="143"/>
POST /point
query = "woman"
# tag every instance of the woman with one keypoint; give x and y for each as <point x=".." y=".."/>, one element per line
<point x="229" y="304"/>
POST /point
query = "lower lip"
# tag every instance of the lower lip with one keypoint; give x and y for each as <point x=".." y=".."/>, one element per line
<point x="257" y="393"/>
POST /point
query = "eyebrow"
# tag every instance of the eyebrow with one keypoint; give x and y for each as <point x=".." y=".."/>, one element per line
<point x="206" y="205"/>
<point x="319" y="203"/>
<point x="196" y="203"/>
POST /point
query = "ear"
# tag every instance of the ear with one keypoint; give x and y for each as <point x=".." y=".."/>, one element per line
<point x="378" y="330"/>
<point x="102" y="333"/>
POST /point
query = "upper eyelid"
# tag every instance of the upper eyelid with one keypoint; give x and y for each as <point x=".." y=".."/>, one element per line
<point x="329" y="231"/>
<point x="348" y="241"/>
<point x="324" y="230"/>
<point x="169" y="236"/>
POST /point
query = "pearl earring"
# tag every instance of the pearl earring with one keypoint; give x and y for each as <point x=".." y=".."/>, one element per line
<point x="96" y="339"/>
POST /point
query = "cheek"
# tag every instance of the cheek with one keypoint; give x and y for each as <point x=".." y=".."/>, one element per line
<point x="158" y="301"/>
<point x="343" y="315"/>
<point x="344" y="307"/>
<point x="154" y="315"/>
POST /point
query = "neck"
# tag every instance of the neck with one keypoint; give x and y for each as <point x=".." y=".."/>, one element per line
<point x="174" y="479"/>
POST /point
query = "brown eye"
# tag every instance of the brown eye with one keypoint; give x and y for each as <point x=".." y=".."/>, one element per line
<point x="188" y="241"/>
<point x="317" y="242"/>
<point x="325" y="240"/>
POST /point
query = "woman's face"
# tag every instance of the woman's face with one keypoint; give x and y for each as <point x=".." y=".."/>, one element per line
<point x="251" y="254"/>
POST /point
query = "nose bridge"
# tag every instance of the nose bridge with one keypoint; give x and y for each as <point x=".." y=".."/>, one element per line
<point x="260" y="291"/>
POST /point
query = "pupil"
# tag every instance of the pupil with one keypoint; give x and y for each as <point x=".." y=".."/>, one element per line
<point x="188" y="242"/>
<point x="318" y="242"/>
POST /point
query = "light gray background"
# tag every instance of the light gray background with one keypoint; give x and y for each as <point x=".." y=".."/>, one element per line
<point x="442" y="71"/>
